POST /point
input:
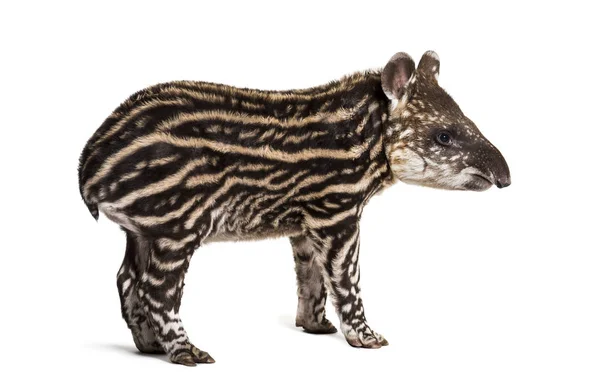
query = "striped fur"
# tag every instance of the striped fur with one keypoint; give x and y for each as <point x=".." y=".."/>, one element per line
<point x="185" y="163"/>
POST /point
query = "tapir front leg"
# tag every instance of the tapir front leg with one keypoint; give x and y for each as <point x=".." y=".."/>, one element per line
<point x="311" y="288"/>
<point x="339" y="246"/>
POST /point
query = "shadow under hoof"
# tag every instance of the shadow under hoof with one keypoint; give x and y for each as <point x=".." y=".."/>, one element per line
<point x="325" y="330"/>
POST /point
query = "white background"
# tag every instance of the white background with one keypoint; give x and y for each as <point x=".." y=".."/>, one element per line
<point x="501" y="287"/>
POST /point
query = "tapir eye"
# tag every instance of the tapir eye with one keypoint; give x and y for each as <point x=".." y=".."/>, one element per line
<point x="443" y="138"/>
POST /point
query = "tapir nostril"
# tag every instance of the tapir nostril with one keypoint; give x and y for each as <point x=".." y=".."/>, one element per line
<point x="503" y="182"/>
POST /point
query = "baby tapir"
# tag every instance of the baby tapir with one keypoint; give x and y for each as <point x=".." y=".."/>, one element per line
<point x="184" y="163"/>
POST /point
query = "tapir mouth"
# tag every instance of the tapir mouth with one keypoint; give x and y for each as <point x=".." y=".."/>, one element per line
<point x="483" y="178"/>
<point x="479" y="182"/>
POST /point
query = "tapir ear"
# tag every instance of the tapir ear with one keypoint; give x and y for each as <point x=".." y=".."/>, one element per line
<point x="429" y="65"/>
<point x="396" y="75"/>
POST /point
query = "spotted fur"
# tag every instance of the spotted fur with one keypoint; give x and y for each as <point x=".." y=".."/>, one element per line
<point x="185" y="163"/>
